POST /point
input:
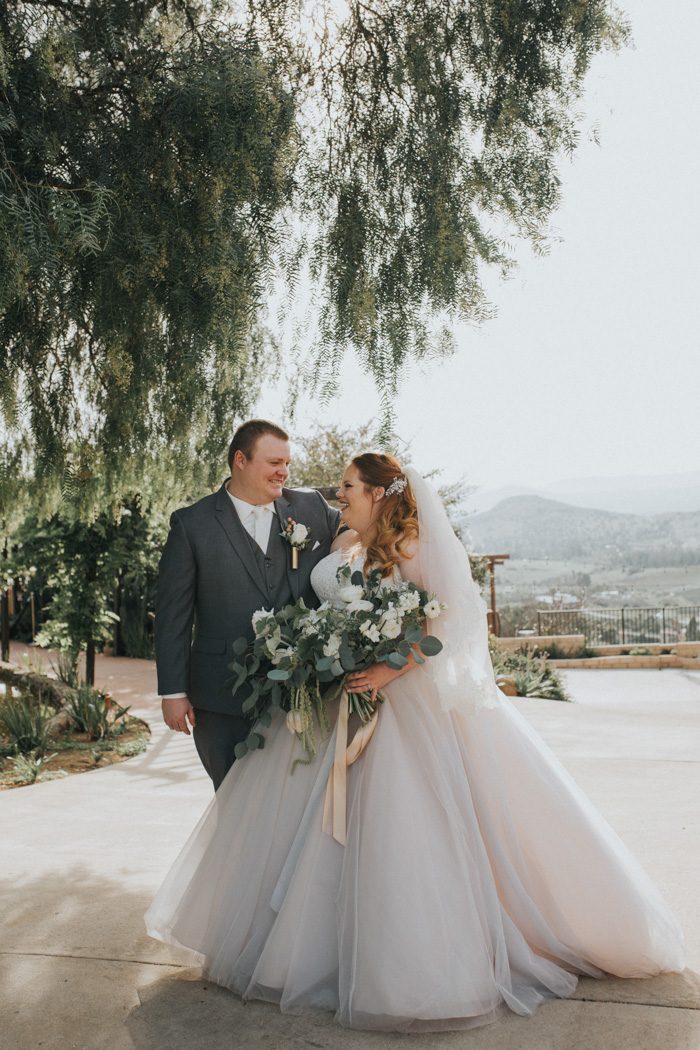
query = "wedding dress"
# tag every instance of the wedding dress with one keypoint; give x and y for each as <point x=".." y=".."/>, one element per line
<point x="477" y="877"/>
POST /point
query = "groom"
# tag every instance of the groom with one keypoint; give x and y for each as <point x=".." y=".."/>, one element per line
<point x="224" y="559"/>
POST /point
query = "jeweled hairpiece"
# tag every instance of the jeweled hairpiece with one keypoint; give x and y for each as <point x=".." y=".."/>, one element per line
<point x="398" y="485"/>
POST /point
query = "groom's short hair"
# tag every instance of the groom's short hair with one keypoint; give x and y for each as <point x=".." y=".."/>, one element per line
<point x="246" y="436"/>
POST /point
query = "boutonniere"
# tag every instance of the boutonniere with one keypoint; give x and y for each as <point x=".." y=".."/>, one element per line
<point x="297" y="536"/>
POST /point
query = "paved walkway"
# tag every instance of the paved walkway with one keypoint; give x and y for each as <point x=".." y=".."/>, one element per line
<point x="83" y="856"/>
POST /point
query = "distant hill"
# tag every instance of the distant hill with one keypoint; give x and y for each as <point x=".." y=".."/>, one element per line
<point x="627" y="493"/>
<point x="535" y="527"/>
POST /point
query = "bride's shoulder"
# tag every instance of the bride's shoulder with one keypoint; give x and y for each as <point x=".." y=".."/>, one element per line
<point x="345" y="539"/>
<point x="408" y="562"/>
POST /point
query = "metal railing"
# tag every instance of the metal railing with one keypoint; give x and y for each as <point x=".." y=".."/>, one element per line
<point x="663" y="624"/>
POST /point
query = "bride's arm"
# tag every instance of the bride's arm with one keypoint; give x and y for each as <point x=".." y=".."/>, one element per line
<point x="376" y="676"/>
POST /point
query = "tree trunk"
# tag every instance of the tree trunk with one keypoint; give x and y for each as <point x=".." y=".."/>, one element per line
<point x="5" y="626"/>
<point x="90" y="663"/>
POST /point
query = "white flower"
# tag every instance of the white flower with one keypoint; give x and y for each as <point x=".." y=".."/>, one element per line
<point x="362" y="605"/>
<point x="332" y="646"/>
<point x="391" y="629"/>
<point x="432" y="609"/>
<point x="258" y="616"/>
<point x="299" y="534"/>
<point x="352" y="592"/>
<point x="273" y="642"/>
<point x="280" y="654"/>
<point x="370" y="630"/>
<point x="295" y="722"/>
<point x="409" y="600"/>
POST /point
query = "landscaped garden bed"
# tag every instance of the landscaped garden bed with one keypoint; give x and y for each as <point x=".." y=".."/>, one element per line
<point x="49" y="730"/>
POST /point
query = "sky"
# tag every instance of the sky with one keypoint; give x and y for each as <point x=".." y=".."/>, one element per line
<point x="591" y="365"/>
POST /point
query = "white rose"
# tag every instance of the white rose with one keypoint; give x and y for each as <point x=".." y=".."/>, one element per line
<point x="299" y="533"/>
<point x="350" y="593"/>
<point x="295" y="722"/>
<point x="391" y="629"/>
<point x="332" y="646"/>
<point x="432" y="609"/>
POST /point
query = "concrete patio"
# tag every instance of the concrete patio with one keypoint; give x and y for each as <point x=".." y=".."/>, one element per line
<point x="83" y="856"/>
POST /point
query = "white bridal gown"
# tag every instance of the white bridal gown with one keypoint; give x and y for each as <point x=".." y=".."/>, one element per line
<point x="477" y="876"/>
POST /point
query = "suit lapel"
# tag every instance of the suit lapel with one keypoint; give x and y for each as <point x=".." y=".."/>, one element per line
<point x="231" y="524"/>
<point x="283" y="508"/>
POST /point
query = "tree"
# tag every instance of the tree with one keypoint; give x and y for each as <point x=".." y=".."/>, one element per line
<point x="143" y="158"/>
<point x="153" y="156"/>
<point x="99" y="577"/>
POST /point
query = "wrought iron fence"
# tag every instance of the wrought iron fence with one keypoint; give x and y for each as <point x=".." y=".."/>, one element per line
<point x="671" y="623"/>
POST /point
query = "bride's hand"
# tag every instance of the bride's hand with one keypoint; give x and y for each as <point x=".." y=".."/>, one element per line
<point x="374" y="678"/>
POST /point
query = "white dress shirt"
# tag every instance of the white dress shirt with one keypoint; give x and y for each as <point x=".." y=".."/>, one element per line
<point x="255" y="519"/>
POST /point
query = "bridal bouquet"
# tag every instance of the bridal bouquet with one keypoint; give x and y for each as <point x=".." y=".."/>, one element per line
<point x="299" y="657"/>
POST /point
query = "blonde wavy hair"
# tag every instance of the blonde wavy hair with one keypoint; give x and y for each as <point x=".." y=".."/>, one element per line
<point x="397" y="522"/>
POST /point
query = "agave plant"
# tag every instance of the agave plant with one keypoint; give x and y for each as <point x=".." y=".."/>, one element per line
<point x="25" y="721"/>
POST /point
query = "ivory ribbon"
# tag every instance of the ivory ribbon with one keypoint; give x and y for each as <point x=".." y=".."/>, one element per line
<point x="335" y="801"/>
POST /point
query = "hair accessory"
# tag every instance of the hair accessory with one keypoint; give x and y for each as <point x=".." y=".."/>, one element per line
<point x="398" y="485"/>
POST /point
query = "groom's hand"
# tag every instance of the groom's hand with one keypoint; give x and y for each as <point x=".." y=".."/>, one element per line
<point x="176" y="714"/>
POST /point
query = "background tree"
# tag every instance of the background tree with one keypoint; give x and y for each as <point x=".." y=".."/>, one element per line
<point x="154" y="154"/>
<point x="144" y="156"/>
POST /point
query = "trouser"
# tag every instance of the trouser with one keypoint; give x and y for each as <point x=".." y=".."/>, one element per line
<point x="215" y="737"/>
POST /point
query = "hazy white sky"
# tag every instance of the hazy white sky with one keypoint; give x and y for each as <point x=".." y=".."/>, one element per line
<point x="593" y="357"/>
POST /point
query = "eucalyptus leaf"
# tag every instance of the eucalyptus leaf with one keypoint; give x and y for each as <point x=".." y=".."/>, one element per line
<point x="346" y="658"/>
<point x="396" y="660"/>
<point x="241" y="749"/>
<point x="279" y="674"/>
<point x="240" y="645"/>
<point x="430" y="646"/>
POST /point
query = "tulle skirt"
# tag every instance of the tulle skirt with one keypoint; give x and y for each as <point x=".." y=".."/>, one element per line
<point x="477" y="876"/>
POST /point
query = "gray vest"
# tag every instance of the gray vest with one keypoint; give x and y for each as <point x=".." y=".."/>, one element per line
<point x="273" y="566"/>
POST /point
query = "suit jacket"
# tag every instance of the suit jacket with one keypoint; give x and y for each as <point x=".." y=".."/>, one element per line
<point x="209" y="577"/>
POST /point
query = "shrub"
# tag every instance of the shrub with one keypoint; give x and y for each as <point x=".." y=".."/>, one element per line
<point x="532" y="674"/>
<point x="95" y="713"/>
<point x="26" y="722"/>
<point x="28" y="769"/>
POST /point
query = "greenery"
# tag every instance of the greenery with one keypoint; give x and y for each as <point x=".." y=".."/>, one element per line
<point x="94" y="713"/>
<point x="26" y="723"/>
<point x="29" y="729"/>
<point x="532" y="674"/>
<point x="90" y="579"/>
<point x="30" y="768"/>
<point x="163" y="164"/>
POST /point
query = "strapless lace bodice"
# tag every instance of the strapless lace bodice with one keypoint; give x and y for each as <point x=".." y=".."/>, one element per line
<point x="323" y="575"/>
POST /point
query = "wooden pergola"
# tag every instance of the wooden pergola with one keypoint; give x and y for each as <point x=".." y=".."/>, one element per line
<point x="494" y="619"/>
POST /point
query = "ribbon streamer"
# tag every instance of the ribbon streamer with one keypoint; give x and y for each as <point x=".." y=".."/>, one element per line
<point x="335" y="801"/>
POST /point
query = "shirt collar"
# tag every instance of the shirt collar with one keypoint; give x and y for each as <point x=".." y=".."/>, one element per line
<point x="245" y="509"/>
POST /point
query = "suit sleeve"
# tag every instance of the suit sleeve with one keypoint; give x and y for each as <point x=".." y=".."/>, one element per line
<point x="177" y="579"/>
<point x="332" y="516"/>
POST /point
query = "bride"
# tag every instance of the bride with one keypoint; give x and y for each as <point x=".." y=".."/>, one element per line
<point x="475" y="875"/>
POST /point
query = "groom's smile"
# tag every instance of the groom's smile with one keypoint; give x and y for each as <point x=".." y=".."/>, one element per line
<point x="261" y="478"/>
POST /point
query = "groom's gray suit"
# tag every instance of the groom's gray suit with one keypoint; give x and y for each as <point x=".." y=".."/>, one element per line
<point x="213" y="576"/>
